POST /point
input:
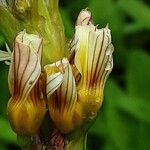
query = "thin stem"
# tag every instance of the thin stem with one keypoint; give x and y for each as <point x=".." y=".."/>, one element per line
<point x="79" y="143"/>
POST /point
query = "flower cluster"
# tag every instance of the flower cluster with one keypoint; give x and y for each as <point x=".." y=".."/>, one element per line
<point x="71" y="89"/>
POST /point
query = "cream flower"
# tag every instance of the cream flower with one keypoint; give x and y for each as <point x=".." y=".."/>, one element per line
<point x="62" y="96"/>
<point x="26" y="107"/>
<point x="93" y="59"/>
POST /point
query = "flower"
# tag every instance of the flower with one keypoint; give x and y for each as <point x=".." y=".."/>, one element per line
<point x="93" y="59"/>
<point x="74" y="85"/>
<point x="62" y="96"/>
<point x="75" y="90"/>
<point x="44" y="79"/>
<point x="26" y="107"/>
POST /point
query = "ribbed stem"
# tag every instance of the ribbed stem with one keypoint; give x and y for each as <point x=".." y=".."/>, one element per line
<point x="79" y="143"/>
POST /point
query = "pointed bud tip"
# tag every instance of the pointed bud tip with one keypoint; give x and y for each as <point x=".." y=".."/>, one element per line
<point x="84" y="17"/>
<point x="107" y="26"/>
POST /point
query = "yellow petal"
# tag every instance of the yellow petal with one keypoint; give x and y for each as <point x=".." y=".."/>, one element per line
<point x="93" y="56"/>
<point x="93" y="59"/>
<point x="84" y="18"/>
<point x="25" y="118"/>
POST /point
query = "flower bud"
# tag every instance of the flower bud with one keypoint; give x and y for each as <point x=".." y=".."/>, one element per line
<point x="26" y="107"/>
<point x="93" y="61"/>
<point x="62" y="96"/>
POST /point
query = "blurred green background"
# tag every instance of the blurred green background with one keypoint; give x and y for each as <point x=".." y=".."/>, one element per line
<point x="123" y="122"/>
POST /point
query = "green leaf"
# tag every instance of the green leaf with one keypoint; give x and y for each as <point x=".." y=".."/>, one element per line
<point x="24" y="142"/>
<point x="125" y="116"/>
<point x="69" y="27"/>
<point x="9" y="26"/>
<point x="138" y="74"/>
<point x="139" y="108"/>
<point x="115" y="126"/>
<point x="138" y="10"/>
<point x="133" y="28"/>
<point x="4" y="92"/>
<point x="6" y="134"/>
<point x="2" y="146"/>
<point x="108" y="12"/>
<point x="1" y="40"/>
<point x="99" y="126"/>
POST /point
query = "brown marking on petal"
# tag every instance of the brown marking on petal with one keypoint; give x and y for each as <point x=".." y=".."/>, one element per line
<point x="29" y="78"/>
<point x="104" y="75"/>
<point x="88" y="20"/>
<point x="16" y="67"/>
<point x="76" y="74"/>
<point x="66" y="92"/>
<point x="53" y="89"/>
<point x="52" y="79"/>
<point x="91" y="82"/>
<point x="99" y="74"/>
<point x="40" y="49"/>
<point x="61" y="67"/>
<point x="56" y="101"/>
<point x="36" y="93"/>
<point x="71" y="59"/>
<point x="20" y="82"/>
<point x="87" y="76"/>
<point x="72" y="49"/>
<point x="31" y="82"/>
<point x="73" y="96"/>
<point x="96" y="68"/>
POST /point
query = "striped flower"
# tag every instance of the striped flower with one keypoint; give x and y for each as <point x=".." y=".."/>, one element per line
<point x="93" y="61"/>
<point x="62" y="96"/>
<point x="26" y="107"/>
<point x="75" y="90"/>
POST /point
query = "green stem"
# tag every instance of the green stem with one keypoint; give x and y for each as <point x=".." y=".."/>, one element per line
<point x="9" y="26"/>
<point x="79" y="143"/>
